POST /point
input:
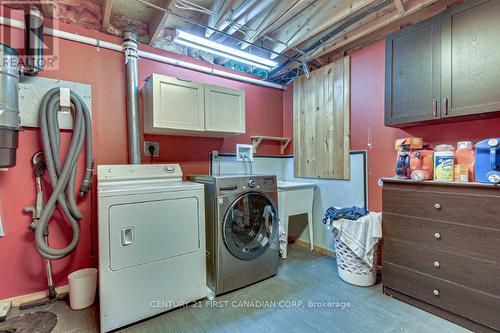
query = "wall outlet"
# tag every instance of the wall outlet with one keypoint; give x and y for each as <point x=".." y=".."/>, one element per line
<point x="150" y="145"/>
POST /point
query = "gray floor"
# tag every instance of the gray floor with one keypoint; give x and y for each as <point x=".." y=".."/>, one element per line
<point x="282" y="304"/>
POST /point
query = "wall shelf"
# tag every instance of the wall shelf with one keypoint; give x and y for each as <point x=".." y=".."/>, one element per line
<point x="257" y="140"/>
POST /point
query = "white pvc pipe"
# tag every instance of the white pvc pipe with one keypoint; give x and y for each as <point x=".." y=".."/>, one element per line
<point x="142" y="54"/>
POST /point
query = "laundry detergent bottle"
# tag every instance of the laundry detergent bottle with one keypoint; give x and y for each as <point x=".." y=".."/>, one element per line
<point x="488" y="161"/>
<point x="465" y="158"/>
<point x="444" y="161"/>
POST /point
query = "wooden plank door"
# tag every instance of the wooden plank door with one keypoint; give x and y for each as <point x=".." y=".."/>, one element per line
<point x="321" y="122"/>
<point x="412" y="83"/>
<point x="471" y="58"/>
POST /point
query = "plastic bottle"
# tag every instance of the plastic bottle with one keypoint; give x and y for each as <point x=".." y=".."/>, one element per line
<point x="444" y="160"/>
<point x="464" y="155"/>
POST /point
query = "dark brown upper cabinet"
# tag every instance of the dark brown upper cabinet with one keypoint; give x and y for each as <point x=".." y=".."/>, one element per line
<point x="471" y="58"/>
<point x="446" y="66"/>
<point x="413" y="83"/>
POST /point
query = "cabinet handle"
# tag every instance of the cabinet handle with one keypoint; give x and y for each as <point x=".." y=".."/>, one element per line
<point x="437" y="206"/>
<point x="435" y="292"/>
<point x="437" y="235"/>
<point x="445" y="106"/>
<point x="437" y="264"/>
<point x="183" y="80"/>
<point x="435" y="108"/>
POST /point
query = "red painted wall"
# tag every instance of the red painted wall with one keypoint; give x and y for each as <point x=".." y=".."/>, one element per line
<point x="22" y="269"/>
<point x="367" y="114"/>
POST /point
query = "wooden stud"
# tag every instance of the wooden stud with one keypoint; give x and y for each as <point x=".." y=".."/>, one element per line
<point x="157" y="22"/>
<point x="400" y="6"/>
<point x="106" y="14"/>
<point x="364" y="28"/>
<point x="324" y="19"/>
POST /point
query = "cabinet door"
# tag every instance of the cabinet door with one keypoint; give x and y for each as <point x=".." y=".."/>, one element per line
<point x="178" y="104"/>
<point x="224" y="109"/>
<point x="471" y="58"/>
<point x="412" y="74"/>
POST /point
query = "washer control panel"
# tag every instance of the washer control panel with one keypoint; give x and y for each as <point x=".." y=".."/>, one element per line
<point x="247" y="183"/>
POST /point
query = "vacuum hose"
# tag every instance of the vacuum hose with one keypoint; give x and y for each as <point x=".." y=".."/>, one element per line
<point x="63" y="176"/>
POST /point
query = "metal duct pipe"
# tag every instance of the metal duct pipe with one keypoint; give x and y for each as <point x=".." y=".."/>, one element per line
<point x="9" y="105"/>
<point x="247" y="17"/>
<point x="131" y="60"/>
<point x="33" y="42"/>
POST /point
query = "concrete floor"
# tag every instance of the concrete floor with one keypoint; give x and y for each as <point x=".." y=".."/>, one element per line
<point x="281" y="304"/>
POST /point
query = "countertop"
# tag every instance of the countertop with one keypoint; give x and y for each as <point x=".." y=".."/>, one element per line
<point x="437" y="183"/>
<point x="282" y="185"/>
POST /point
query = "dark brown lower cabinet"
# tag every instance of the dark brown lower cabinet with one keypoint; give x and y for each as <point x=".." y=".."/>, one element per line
<point x="443" y="262"/>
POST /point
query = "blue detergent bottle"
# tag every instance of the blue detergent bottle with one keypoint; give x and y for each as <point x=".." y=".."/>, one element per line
<point x="488" y="161"/>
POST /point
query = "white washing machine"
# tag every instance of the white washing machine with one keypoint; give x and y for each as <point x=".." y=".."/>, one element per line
<point x="151" y="242"/>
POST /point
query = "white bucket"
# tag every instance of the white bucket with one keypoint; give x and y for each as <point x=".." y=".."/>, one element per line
<point x="82" y="287"/>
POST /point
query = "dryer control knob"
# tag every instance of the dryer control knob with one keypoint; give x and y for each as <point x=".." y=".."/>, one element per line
<point x="251" y="183"/>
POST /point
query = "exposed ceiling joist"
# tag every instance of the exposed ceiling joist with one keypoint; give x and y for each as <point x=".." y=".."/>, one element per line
<point x="324" y="20"/>
<point x="47" y="9"/>
<point x="106" y="13"/>
<point x="290" y="9"/>
<point x="243" y="20"/>
<point x="381" y="21"/>
<point x="219" y="7"/>
<point x="157" y="22"/>
<point x="400" y="6"/>
<point x="237" y="10"/>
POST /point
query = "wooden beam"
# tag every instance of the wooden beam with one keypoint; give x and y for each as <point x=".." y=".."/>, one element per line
<point x="323" y="19"/>
<point x="157" y="22"/>
<point x="106" y="13"/>
<point x="400" y="6"/>
<point x="280" y="17"/>
<point x="378" y="23"/>
<point x="47" y="8"/>
<point x="218" y="8"/>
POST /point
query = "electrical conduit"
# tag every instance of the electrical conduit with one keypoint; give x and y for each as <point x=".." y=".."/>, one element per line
<point x="142" y="54"/>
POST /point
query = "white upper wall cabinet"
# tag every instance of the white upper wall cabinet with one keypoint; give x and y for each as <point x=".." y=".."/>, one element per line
<point x="224" y="109"/>
<point x="174" y="106"/>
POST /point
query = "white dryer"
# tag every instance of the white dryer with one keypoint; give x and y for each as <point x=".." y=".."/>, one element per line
<point x="151" y="242"/>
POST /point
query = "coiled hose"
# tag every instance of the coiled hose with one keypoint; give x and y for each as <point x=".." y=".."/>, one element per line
<point x="63" y="176"/>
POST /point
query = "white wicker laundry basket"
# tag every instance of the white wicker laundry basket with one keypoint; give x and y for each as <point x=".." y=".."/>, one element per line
<point x="351" y="268"/>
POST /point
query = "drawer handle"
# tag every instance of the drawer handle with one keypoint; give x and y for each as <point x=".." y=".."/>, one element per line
<point x="435" y="292"/>
<point x="437" y="206"/>
<point x="437" y="264"/>
<point x="437" y="235"/>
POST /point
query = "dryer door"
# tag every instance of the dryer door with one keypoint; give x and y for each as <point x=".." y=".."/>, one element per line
<point x="249" y="224"/>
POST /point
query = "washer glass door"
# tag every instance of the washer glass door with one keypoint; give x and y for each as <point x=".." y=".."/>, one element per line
<point x="248" y="225"/>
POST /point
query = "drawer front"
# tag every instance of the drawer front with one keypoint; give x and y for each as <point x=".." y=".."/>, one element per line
<point x="472" y="273"/>
<point x="476" y="306"/>
<point x="469" y="209"/>
<point x="447" y="237"/>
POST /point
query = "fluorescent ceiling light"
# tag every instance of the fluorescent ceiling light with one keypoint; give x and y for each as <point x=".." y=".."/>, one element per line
<point x="209" y="46"/>
<point x="222" y="54"/>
